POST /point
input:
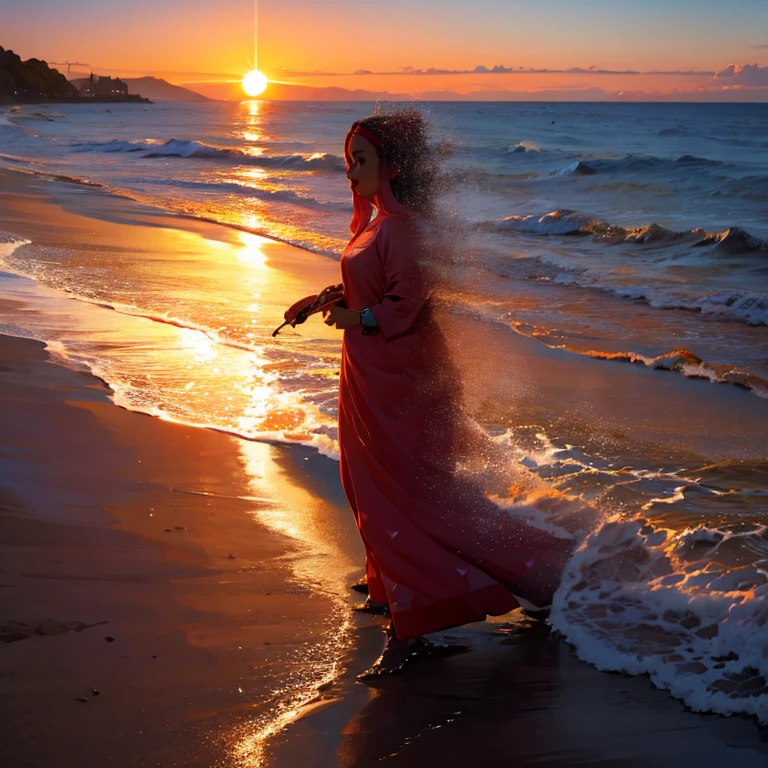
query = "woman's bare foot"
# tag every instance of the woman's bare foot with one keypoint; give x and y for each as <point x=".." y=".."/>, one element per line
<point x="360" y="586"/>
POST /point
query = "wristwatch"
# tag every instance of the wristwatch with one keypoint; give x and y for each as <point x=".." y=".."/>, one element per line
<point x="367" y="320"/>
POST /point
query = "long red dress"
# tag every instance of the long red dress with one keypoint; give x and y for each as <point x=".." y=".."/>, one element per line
<point x="438" y="552"/>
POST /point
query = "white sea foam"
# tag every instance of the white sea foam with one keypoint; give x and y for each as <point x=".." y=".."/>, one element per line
<point x="8" y="244"/>
<point x="750" y="307"/>
<point x="523" y="146"/>
<point x="555" y="223"/>
<point x="685" y="362"/>
<point x="645" y="600"/>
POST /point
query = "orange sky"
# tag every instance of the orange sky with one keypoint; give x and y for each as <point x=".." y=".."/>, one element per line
<point x="197" y="40"/>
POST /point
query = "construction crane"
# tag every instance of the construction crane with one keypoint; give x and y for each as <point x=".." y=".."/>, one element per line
<point x="70" y="64"/>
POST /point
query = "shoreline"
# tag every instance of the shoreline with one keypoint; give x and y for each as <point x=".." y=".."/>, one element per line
<point x="680" y="361"/>
<point x="117" y="525"/>
<point x="162" y="212"/>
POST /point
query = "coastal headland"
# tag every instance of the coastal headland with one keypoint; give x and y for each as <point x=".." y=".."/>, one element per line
<point x="34" y="82"/>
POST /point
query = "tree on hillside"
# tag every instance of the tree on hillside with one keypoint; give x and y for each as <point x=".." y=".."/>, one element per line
<point x="30" y="80"/>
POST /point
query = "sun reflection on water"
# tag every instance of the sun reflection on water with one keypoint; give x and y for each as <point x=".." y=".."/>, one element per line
<point x="252" y="252"/>
<point x="253" y="121"/>
<point x="199" y="344"/>
<point x="319" y="562"/>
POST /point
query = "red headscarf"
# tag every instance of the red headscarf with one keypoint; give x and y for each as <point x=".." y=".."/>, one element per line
<point x="385" y="201"/>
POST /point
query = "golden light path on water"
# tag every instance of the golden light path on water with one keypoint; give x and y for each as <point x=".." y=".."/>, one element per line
<point x="319" y="559"/>
<point x="319" y="562"/>
<point x="215" y="364"/>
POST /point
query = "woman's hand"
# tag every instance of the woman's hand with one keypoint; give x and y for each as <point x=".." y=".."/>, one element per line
<point x="341" y="317"/>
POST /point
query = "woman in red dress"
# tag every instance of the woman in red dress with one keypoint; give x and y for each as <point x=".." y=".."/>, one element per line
<point x="438" y="553"/>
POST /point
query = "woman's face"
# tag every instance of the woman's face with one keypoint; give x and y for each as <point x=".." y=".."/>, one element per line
<point x="363" y="174"/>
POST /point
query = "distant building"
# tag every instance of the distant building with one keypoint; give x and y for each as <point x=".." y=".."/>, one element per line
<point x="103" y="86"/>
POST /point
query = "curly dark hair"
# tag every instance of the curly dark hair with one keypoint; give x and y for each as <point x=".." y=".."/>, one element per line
<point x="405" y="145"/>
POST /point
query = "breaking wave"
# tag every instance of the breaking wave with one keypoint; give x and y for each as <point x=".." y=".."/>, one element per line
<point x="694" y="250"/>
<point x="150" y="148"/>
<point x="250" y="190"/>
<point x="568" y="222"/>
<point x="633" y="164"/>
<point x="642" y="599"/>
<point x="685" y="362"/>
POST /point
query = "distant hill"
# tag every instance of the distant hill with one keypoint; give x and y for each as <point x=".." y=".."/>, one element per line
<point x="31" y="80"/>
<point x="233" y="91"/>
<point x="152" y="88"/>
<point x="158" y="89"/>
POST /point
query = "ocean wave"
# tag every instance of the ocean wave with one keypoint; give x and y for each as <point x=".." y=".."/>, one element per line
<point x="8" y="244"/>
<point x="751" y="187"/>
<point x="10" y="122"/>
<point x="522" y="146"/>
<point x="560" y="222"/>
<point x="744" y="306"/>
<point x="247" y="190"/>
<point x="633" y="164"/>
<point x="685" y="362"/>
<point x="327" y="247"/>
<point x="568" y="222"/>
<point x="752" y="308"/>
<point x="693" y="160"/>
<point x="692" y="249"/>
<point x="14" y="159"/>
<point x="577" y="168"/>
<point x="688" y="607"/>
<point x="732" y="240"/>
<point x="299" y="424"/>
<point x="151" y="149"/>
<point x="641" y="599"/>
<point x="333" y="249"/>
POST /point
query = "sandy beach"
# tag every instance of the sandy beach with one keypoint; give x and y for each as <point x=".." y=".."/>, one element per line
<point x="197" y="580"/>
<point x="132" y="565"/>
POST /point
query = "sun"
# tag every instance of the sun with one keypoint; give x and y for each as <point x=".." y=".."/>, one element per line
<point x="254" y="83"/>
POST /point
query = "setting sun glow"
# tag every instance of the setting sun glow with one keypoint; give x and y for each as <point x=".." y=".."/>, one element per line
<point x="254" y="82"/>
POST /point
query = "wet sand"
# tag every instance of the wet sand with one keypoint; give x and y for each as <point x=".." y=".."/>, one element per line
<point x="118" y="525"/>
<point x="518" y="696"/>
<point x="110" y="516"/>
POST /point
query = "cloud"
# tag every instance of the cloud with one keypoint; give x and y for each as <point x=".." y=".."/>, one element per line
<point x="555" y="94"/>
<point x="483" y="70"/>
<point x="681" y="72"/>
<point x="750" y="75"/>
<point x="501" y="69"/>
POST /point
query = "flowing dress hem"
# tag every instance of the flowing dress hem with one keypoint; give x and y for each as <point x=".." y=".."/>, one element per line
<point x="494" y="600"/>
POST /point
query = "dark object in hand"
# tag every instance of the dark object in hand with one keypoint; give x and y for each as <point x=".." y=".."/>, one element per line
<point x="297" y="313"/>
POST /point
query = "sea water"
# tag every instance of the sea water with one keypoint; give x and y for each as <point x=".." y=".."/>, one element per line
<point x="634" y="232"/>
